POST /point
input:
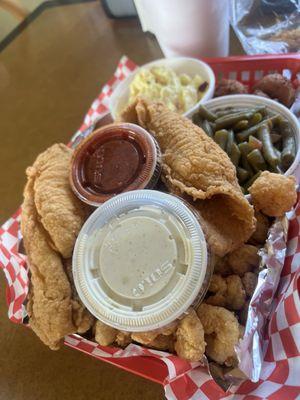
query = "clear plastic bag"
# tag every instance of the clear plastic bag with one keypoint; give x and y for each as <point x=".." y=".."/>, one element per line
<point x="267" y="26"/>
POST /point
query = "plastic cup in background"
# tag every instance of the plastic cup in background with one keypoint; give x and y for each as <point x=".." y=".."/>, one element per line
<point x="187" y="28"/>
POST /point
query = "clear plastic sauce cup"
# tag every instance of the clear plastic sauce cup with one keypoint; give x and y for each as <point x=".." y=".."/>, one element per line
<point x="114" y="159"/>
<point x="141" y="260"/>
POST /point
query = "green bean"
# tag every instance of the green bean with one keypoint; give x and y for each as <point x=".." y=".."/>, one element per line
<point x="228" y="110"/>
<point x="275" y="137"/>
<point x="254" y="142"/>
<point x="245" y="149"/>
<point x="207" y="128"/>
<point x="220" y="114"/>
<point x="197" y="120"/>
<point x="268" y="151"/>
<point x="230" y="141"/>
<point x="256" y="160"/>
<point x="243" y="135"/>
<point x="213" y="126"/>
<point x="231" y="119"/>
<point x="235" y="154"/>
<point x="251" y="180"/>
<point x="221" y="137"/>
<point x="288" y="145"/>
<point x="206" y="114"/>
<point x="242" y="174"/>
<point x="255" y="119"/>
<point x="289" y="152"/>
<point x="241" y="125"/>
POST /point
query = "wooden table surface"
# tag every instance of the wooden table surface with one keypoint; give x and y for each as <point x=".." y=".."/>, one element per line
<point x="49" y="75"/>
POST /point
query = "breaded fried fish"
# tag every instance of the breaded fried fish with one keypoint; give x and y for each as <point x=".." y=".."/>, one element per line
<point x="60" y="212"/>
<point x="194" y="165"/>
<point x="49" y="307"/>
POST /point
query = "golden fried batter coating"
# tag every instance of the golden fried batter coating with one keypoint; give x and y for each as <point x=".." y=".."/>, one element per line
<point x="149" y="337"/>
<point x="218" y="286"/>
<point x="190" y="343"/>
<point x="104" y="334"/>
<point x="222" y="268"/>
<point x="235" y="295"/>
<point x="273" y="194"/>
<point x="249" y="281"/>
<point x="243" y="259"/>
<point x="278" y="87"/>
<point x="262" y="226"/>
<point x="123" y="339"/>
<point x="50" y="303"/>
<point x="61" y="213"/>
<point x="228" y="292"/>
<point x="222" y="333"/>
<point x="162" y="342"/>
<point x="193" y="164"/>
<point x="82" y="318"/>
<point x="144" y="337"/>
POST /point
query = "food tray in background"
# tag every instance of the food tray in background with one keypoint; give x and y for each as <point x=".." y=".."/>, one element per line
<point x="248" y="70"/>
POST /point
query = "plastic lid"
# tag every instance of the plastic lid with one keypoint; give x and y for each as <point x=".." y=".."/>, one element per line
<point x="140" y="260"/>
<point x="114" y="159"/>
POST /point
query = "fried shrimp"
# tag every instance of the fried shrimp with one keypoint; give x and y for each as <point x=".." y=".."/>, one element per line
<point x="190" y="343"/>
<point x="222" y="267"/>
<point x="123" y="338"/>
<point x="228" y="292"/>
<point x="261" y="231"/>
<point x="104" y="334"/>
<point x="273" y="194"/>
<point x="235" y="295"/>
<point x="218" y="287"/>
<point x="221" y="329"/>
<point x="149" y="337"/>
<point x="244" y="259"/>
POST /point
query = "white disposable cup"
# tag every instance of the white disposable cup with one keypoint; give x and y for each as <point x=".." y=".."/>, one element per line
<point x="187" y="28"/>
<point x="140" y="260"/>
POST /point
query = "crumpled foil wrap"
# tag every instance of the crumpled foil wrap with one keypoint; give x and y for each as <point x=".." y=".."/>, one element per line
<point x="249" y="350"/>
<point x="267" y="26"/>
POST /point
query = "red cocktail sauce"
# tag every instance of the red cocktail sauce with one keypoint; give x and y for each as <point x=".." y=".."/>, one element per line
<point x="114" y="159"/>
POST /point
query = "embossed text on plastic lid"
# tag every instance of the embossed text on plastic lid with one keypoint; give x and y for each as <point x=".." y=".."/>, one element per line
<point x="140" y="260"/>
<point x="114" y="159"/>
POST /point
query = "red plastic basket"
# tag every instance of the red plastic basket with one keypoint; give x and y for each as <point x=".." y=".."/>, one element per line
<point x="249" y="69"/>
<point x="246" y="69"/>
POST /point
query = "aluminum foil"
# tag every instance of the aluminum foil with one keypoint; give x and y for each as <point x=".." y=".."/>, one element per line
<point x="249" y="350"/>
<point x="267" y="26"/>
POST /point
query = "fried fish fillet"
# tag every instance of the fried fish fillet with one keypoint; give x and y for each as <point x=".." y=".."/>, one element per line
<point x="59" y="210"/>
<point x="49" y="307"/>
<point x="82" y="318"/>
<point x="194" y="165"/>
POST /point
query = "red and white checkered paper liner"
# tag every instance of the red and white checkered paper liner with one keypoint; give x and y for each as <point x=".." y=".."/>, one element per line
<point x="280" y="344"/>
